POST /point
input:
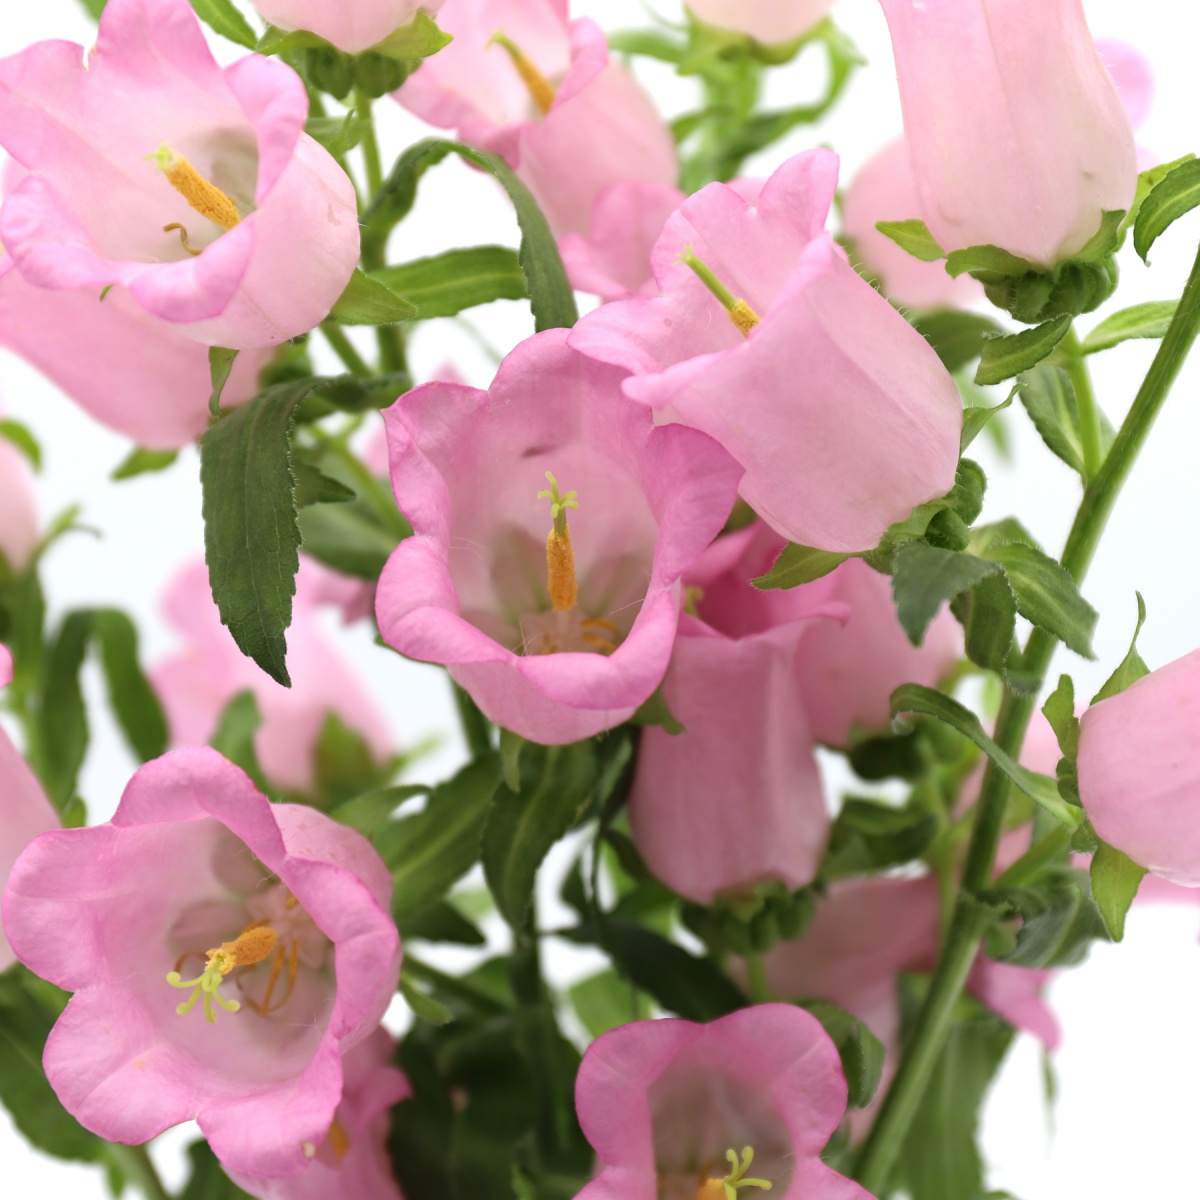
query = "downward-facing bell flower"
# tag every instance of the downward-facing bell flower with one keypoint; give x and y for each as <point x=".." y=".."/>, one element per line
<point x="554" y="606"/>
<point x="152" y="168"/>
<point x="736" y="1109"/>
<point x="350" y="25"/>
<point x="765" y="338"/>
<point x="1139" y="770"/>
<point x="1017" y="136"/>
<point x="224" y="953"/>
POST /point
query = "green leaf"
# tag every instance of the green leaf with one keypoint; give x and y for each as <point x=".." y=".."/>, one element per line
<point x="860" y="1050"/>
<point x="911" y="697"/>
<point x="550" y="293"/>
<point x="220" y="365"/>
<point x="1049" y="398"/>
<point x="224" y="18"/>
<point x="134" y="702"/>
<point x="1149" y="320"/>
<point x="798" y="565"/>
<point x="425" y="1006"/>
<point x="1058" y="921"/>
<point x="444" y="285"/>
<point x="19" y="436"/>
<point x="869" y="836"/>
<point x="926" y="578"/>
<point x="367" y="300"/>
<point x="989" y="263"/>
<point x="976" y="417"/>
<point x="418" y="39"/>
<point x="1047" y="595"/>
<point x="1004" y="357"/>
<point x="442" y="922"/>
<point x="208" y="1180"/>
<point x="431" y="850"/>
<point x="988" y="612"/>
<point x="956" y="337"/>
<point x="347" y="537"/>
<point x="339" y="135"/>
<point x="1115" y="882"/>
<point x="1177" y="193"/>
<point x="1059" y="710"/>
<point x="1147" y="181"/>
<point x="345" y="764"/>
<point x="605" y="1001"/>
<point x="314" y="487"/>
<point x="94" y="7"/>
<point x="914" y="238"/>
<point x="251" y="539"/>
<point x="558" y="784"/>
<point x="141" y="462"/>
<point x="1132" y="667"/>
<point x="234" y="736"/>
<point x="369" y="813"/>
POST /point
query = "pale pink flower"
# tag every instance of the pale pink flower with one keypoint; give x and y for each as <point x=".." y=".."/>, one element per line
<point x="566" y="118"/>
<point x="350" y="25"/>
<point x="552" y="651"/>
<point x="736" y="800"/>
<point x="1017" y="136"/>
<point x="20" y="529"/>
<point x="197" y="683"/>
<point x="1139" y="770"/>
<point x="765" y="20"/>
<point x="352" y="1162"/>
<point x="662" y="1102"/>
<point x="276" y="917"/>
<point x="25" y="811"/>
<point x="842" y="416"/>
<point x="849" y="670"/>
<point x="115" y="137"/>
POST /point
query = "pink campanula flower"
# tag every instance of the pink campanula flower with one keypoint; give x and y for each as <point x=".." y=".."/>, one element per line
<point x="842" y="416"/>
<point x="195" y="684"/>
<point x="276" y="917"/>
<point x="556" y="612"/>
<point x="848" y="671"/>
<point x="25" y="811"/>
<point x="664" y="1102"/>
<point x="152" y="168"/>
<point x="20" y="528"/>
<point x="764" y="20"/>
<point x="352" y="1162"/>
<point x="1139" y="770"/>
<point x="736" y="800"/>
<point x="1017" y="136"/>
<point x="350" y="25"/>
<point x="132" y="371"/>
<point x="546" y="98"/>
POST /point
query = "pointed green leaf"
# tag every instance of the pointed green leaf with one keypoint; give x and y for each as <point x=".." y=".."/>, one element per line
<point x="444" y="285"/>
<point x="976" y="418"/>
<point x="860" y="1050"/>
<point x="141" y="462"/>
<point x="234" y="736"/>
<point x="220" y="364"/>
<point x="19" y="436"/>
<point x="1132" y="667"/>
<point x="1004" y="357"/>
<point x="926" y="578"/>
<point x="798" y="565"/>
<point x="914" y="238"/>
<point x="604" y="1001"/>
<point x="347" y="537"/>
<point x="1059" y="710"/>
<point x="134" y="702"/>
<point x="1177" y="193"/>
<point x="1150" y="320"/>
<point x="367" y="300"/>
<point x="224" y="18"/>
<point x="1147" y="181"/>
<point x="990" y="262"/>
<point x="339" y="135"/>
<point x="420" y="38"/>
<point x="1049" y="398"/>
<point x="313" y="487"/>
<point x="423" y="1005"/>
<point x="1115" y="882"/>
<point x="956" y="337"/>
<point x="988" y="612"/>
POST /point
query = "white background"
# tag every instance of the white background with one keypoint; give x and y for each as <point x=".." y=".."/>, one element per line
<point x="1125" y="1120"/>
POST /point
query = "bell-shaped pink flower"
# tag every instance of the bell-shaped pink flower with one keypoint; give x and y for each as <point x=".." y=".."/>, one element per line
<point x="195" y="684"/>
<point x="555" y="609"/>
<point x="842" y="416"/>
<point x="884" y="190"/>
<point x="224" y="952"/>
<point x="664" y="1102"/>
<point x="1139" y="770"/>
<point x="133" y="372"/>
<point x="350" y="25"/>
<point x="352" y="1162"/>
<point x="152" y="168"/>
<point x="1017" y="136"/>
<point x="849" y="670"/>
<point x="24" y="810"/>
<point x="520" y="80"/>
<point x="736" y="800"/>
<point x="20" y="529"/>
<point x="764" y="20"/>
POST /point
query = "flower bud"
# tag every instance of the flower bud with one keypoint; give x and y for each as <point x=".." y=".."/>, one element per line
<point x="767" y="21"/>
<point x="350" y="25"/>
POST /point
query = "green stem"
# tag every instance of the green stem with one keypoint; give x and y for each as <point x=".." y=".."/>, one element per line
<point x="136" y="1163"/>
<point x="760" y="988"/>
<point x="452" y="986"/>
<point x="1089" y="412"/>
<point x="1044" y="850"/>
<point x="476" y="727"/>
<point x="374" y="490"/>
<point x="370" y="147"/>
<point x="344" y="349"/>
<point x="924" y="1046"/>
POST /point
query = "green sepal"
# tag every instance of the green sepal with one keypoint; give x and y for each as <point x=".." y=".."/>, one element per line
<point x="1132" y="667"/>
<point x="368" y="300"/>
<point x="1115" y="882"/>
<point x="914" y="238"/>
<point x="223" y="17"/>
<point x="140" y="461"/>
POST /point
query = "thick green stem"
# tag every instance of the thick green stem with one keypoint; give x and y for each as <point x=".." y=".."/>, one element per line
<point x="344" y="349"/>
<point x="925" y="1044"/>
<point x="137" y="1164"/>
<point x="372" y="163"/>
<point x="1089" y="412"/>
<point x="760" y="987"/>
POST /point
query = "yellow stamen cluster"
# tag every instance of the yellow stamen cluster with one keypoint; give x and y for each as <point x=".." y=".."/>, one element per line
<point x="734" y="1181"/>
<point x="205" y="197"/>
<point x="251" y="946"/>
<point x="540" y="88"/>
<point x="740" y="313"/>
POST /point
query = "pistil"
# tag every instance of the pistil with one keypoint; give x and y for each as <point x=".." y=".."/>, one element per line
<point x="740" y="313"/>
<point x="734" y="1181"/>
<point x="251" y="946"/>
<point x="540" y="88"/>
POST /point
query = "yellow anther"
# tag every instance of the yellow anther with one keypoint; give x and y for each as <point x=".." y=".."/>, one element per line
<point x="339" y="1140"/>
<point x="740" y="313"/>
<point x="560" y="554"/>
<point x="205" y="197"/>
<point x="540" y="88"/>
<point x="251" y="946"/>
<point x="734" y="1181"/>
